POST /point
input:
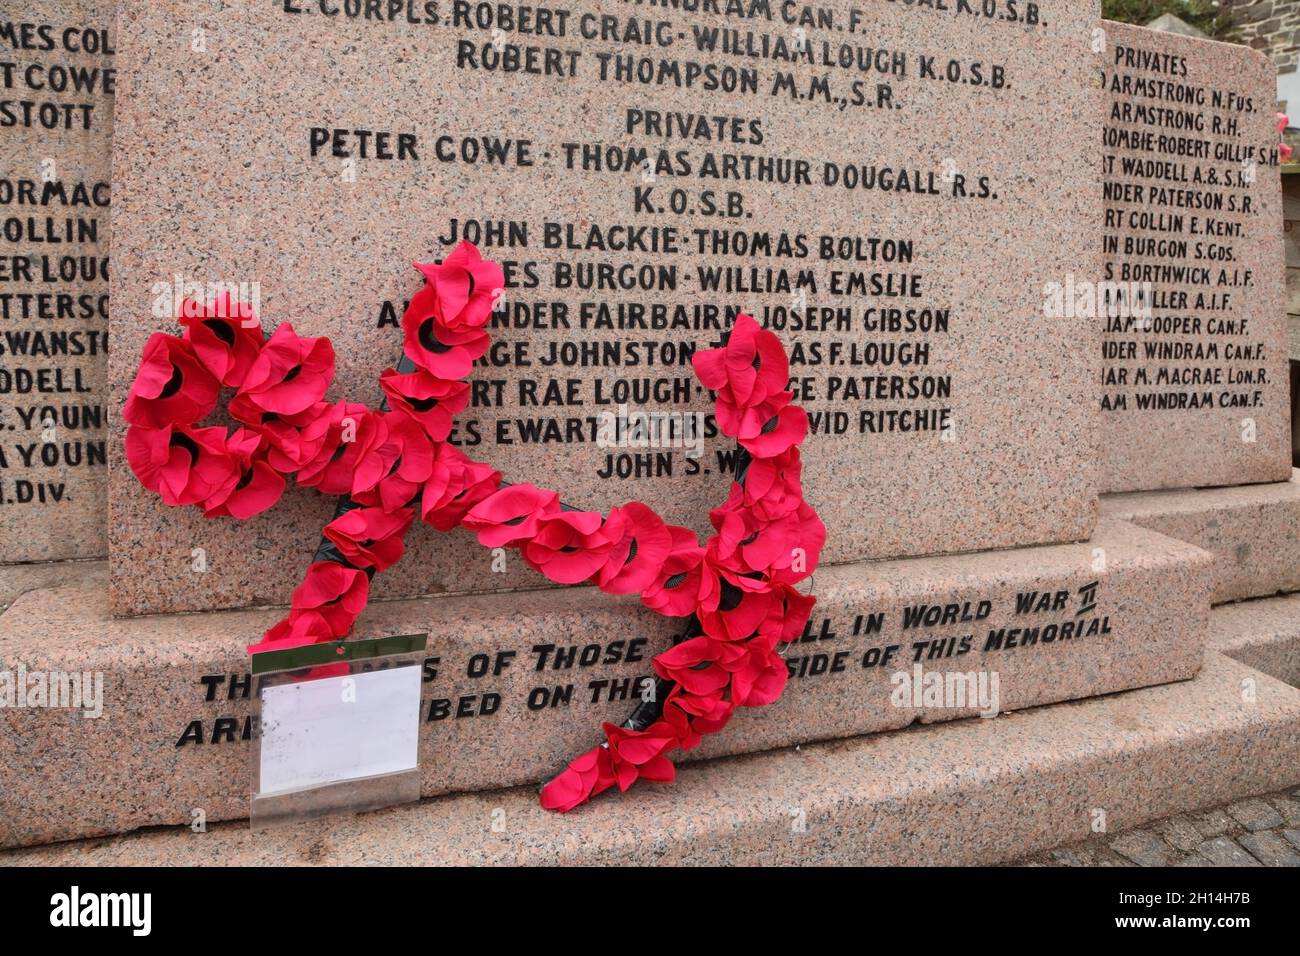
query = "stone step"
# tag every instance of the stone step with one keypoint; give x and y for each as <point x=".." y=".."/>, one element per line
<point x="1263" y="634"/>
<point x="1253" y="531"/>
<point x="966" y="792"/>
<point x="17" y="579"/>
<point x="1127" y="609"/>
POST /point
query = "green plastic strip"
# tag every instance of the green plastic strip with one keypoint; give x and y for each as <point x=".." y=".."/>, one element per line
<point x="334" y="652"/>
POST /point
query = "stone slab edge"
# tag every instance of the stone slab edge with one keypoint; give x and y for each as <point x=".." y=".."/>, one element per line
<point x="974" y="791"/>
<point x="1252" y="530"/>
<point x="169" y="743"/>
<point x="1263" y="634"/>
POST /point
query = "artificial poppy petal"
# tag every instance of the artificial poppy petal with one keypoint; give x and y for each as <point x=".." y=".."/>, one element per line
<point x="226" y="337"/>
<point x="510" y="514"/>
<point x="290" y="374"/>
<point x="171" y="386"/>
<point x="371" y="537"/>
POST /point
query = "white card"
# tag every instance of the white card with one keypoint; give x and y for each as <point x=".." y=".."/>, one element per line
<point x="339" y="728"/>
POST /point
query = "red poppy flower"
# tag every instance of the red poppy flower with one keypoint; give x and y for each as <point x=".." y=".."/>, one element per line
<point x="373" y="460"/>
<point x="456" y="484"/>
<point x="227" y="337"/>
<point x="640" y="753"/>
<point x="395" y="466"/>
<point x="308" y="627"/>
<point x="743" y="605"/>
<point x="290" y="374"/>
<point x="569" y="546"/>
<point x="686" y="582"/>
<point x="789" y="617"/>
<point x="641" y="544"/>
<point x="172" y="387"/>
<point x="734" y="523"/>
<point x="289" y="442"/>
<point x="463" y="287"/>
<point x="746" y="543"/>
<point x="511" y="514"/>
<point x="184" y="466"/>
<point x="590" y="774"/>
<point x="371" y="537"/>
<point x="781" y="433"/>
<point x="429" y="401"/>
<point x="693" y="715"/>
<point x="694" y="665"/>
<point x="350" y="432"/>
<point x="337" y="593"/>
<point x="809" y="538"/>
<point x="772" y="485"/>
<point x="758" y="677"/>
<point x="274" y="424"/>
<point x="444" y="352"/>
<point x="259" y="485"/>
<point x="748" y="421"/>
<point x="749" y="375"/>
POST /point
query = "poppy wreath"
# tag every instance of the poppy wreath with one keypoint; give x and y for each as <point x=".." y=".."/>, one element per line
<point x="737" y="590"/>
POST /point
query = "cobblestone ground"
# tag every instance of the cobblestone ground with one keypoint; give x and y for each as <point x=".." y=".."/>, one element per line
<point x="1261" y="831"/>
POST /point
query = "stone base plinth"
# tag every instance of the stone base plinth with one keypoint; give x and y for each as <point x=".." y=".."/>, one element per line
<point x="518" y="684"/>
<point x="972" y="791"/>
<point x="1253" y="531"/>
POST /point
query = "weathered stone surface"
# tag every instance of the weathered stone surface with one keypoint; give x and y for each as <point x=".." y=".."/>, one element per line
<point x="328" y="238"/>
<point x="18" y="579"/>
<point x="1270" y="849"/>
<point x="1142" y="847"/>
<point x="1180" y="833"/>
<point x="1255" y="815"/>
<point x="1068" y="858"/>
<point x="1289" y="808"/>
<point x="1253" y="532"/>
<point x="176" y="690"/>
<point x="922" y="796"/>
<point x="1196" y="390"/>
<point x="55" y="160"/>
<point x="1215" y="823"/>
<point x="1168" y="23"/>
<point x="1223" y="851"/>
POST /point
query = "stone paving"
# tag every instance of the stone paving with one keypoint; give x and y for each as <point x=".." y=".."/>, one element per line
<point x="1259" y="831"/>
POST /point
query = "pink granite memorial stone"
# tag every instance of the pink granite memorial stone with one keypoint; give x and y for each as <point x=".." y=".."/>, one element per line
<point x="890" y="187"/>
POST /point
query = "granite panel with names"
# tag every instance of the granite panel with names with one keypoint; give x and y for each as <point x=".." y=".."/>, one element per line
<point x="887" y="186"/>
<point x="57" y="84"/>
<point x="1194" y="386"/>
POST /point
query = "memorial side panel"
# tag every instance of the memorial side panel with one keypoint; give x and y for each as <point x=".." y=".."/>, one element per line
<point x="57" y="81"/>
<point x="887" y="187"/>
<point x="1194" y="386"/>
